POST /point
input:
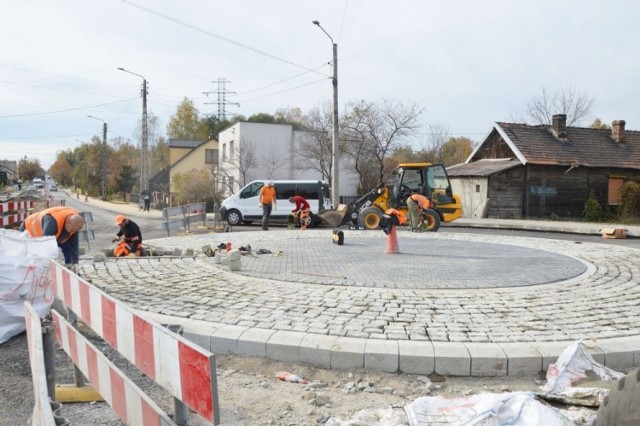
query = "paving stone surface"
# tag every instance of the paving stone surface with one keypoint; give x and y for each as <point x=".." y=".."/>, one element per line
<point x="602" y="300"/>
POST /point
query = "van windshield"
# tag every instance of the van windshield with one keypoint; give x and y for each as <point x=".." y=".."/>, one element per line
<point x="251" y="190"/>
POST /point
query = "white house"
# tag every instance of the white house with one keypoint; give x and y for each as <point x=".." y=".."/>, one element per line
<point x="250" y="151"/>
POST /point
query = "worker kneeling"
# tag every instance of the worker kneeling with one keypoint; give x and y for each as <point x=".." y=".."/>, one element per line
<point x="300" y="214"/>
<point x="132" y="243"/>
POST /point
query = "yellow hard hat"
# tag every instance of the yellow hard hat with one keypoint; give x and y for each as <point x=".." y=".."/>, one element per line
<point x="120" y="218"/>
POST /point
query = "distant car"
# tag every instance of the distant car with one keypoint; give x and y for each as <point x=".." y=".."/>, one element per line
<point x="38" y="183"/>
<point x="32" y="188"/>
<point x="53" y="188"/>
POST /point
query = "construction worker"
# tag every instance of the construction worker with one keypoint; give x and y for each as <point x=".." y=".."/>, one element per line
<point x="132" y="244"/>
<point x="390" y="218"/>
<point x="267" y="202"/>
<point x="62" y="222"/>
<point x="302" y="209"/>
<point x="416" y="204"/>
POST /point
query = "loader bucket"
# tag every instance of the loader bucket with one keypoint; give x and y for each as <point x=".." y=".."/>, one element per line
<point x="332" y="218"/>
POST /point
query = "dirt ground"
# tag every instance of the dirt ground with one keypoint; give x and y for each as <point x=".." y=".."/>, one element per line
<point x="249" y="392"/>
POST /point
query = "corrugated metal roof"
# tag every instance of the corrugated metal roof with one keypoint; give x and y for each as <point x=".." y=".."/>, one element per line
<point x="182" y="143"/>
<point x="482" y="167"/>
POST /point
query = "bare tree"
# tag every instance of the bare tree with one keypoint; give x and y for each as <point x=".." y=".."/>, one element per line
<point x="237" y="165"/>
<point x="374" y="131"/>
<point x="273" y="160"/>
<point x="577" y="105"/>
<point x="315" y="152"/>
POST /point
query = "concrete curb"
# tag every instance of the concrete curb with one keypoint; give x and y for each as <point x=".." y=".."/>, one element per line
<point x="403" y="356"/>
<point x="585" y="228"/>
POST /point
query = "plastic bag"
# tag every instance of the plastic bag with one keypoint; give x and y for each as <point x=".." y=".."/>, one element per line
<point x="369" y="417"/>
<point x="570" y="367"/>
<point x="24" y="275"/>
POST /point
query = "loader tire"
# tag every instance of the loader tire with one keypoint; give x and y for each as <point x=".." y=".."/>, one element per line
<point x="432" y="219"/>
<point x="370" y="218"/>
<point x="622" y="406"/>
<point x="332" y="218"/>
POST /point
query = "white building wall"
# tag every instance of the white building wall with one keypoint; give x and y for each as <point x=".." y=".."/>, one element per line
<point x="473" y="195"/>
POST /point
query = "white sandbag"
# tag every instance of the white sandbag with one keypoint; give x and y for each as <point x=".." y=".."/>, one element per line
<point x="371" y="417"/>
<point x="24" y="275"/>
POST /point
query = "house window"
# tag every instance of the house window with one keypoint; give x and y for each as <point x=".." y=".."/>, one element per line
<point x="477" y="188"/>
<point x="211" y="156"/>
<point x="615" y="183"/>
<point x="224" y="152"/>
<point x="231" y="150"/>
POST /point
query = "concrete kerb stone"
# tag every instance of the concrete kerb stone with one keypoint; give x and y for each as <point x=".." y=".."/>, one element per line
<point x="199" y="332"/>
<point x="316" y="349"/>
<point x="381" y="355"/>
<point x="452" y="359"/>
<point x="522" y="359"/>
<point x="487" y="359"/>
<point x="416" y="357"/>
<point x="348" y="352"/>
<point x="253" y="342"/>
<point x="224" y="340"/>
<point x="283" y="345"/>
<point x="621" y="353"/>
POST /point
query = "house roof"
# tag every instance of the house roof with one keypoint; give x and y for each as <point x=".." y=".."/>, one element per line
<point x="484" y="167"/>
<point x="582" y="146"/>
<point x="183" y="143"/>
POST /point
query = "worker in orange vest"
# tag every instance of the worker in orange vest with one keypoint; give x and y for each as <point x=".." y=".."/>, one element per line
<point x="267" y="203"/>
<point x="390" y="218"/>
<point x="132" y="244"/>
<point x="416" y="204"/>
<point x="62" y="222"/>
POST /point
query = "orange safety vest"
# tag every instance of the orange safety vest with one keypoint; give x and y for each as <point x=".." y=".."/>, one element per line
<point x="402" y="218"/>
<point x="267" y="194"/>
<point x="421" y="200"/>
<point x="33" y="222"/>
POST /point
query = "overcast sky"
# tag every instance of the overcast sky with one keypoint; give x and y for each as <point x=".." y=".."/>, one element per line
<point x="467" y="63"/>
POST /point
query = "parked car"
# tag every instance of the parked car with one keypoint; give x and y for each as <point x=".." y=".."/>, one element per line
<point x="32" y="189"/>
<point x="38" y="183"/>
<point x="53" y="188"/>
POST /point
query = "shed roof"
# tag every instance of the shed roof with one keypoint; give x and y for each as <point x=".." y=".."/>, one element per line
<point x="484" y="167"/>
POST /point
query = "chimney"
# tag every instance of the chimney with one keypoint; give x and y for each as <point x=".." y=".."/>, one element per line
<point x="559" y="125"/>
<point x="617" y="130"/>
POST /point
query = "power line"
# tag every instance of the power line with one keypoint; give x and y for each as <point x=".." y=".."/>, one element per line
<point x="282" y="91"/>
<point x="278" y="82"/>
<point x="344" y="13"/>
<point x="47" y="137"/>
<point x="57" y="88"/>
<point x="67" y="110"/>
<point x="219" y="37"/>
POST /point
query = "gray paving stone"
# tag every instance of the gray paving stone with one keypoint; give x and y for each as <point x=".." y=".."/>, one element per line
<point x="316" y="349"/>
<point x="451" y="359"/>
<point x="522" y="359"/>
<point x="487" y="359"/>
<point x="381" y="355"/>
<point x="348" y="352"/>
<point x="416" y="357"/>
<point x="283" y="345"/>
<point x="253" y="342"/>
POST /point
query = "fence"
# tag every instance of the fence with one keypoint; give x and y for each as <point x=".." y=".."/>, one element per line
<point x="182" y="368"/>
<point x="183" y="217"/>
<point x="14" y="212"/>
<point x="87" y="233"/>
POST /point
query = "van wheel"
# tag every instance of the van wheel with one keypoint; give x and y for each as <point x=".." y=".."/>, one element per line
<point x="432" y="219"/>
<point x="234" y="217"/>
<point x="370" y="218"/>
<point x="621" y="406"/>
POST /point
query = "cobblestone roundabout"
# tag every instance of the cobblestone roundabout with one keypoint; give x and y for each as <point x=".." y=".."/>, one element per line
<point x="602" y="300"/>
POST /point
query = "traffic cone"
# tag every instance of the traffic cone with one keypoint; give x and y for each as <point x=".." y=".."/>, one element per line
<point x="392" y="242"/>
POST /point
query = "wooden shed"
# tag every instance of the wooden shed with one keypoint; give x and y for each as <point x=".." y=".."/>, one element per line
<point x="524" y="171"/>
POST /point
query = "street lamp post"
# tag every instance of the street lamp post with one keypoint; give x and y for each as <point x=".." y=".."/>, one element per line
<point x="335" y="154"/>
<point x="144" y="152"/>
<point x="103" y="158"/>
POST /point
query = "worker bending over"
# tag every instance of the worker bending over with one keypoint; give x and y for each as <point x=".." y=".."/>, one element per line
<point x="301" y="210"/>
<point x="132" y="244"/>
<point x="416" y="204"/>
<point x="62" y="222"/>
<point x="391" y="218"/>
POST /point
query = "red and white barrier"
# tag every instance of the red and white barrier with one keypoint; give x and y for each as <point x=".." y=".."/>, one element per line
<point x="12" y="206"/>
<point x="12" y="219"/>
<point x="42" y="413"/>
<point x="179" y="366"/>
<point x="129" y="402"/>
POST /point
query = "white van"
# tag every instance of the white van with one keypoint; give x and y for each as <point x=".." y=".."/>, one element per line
<point x="243" y="205"/>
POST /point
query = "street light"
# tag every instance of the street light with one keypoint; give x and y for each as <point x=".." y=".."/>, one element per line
<point x="144" y="152"/>
<point x="103" y="158"/>
<point x="335" y="155"/>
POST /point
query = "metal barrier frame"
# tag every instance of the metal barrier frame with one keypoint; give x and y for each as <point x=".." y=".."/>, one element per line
<point x="183" y="216"/>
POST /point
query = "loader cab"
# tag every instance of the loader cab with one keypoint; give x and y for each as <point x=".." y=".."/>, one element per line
<point x="430" y="180"/>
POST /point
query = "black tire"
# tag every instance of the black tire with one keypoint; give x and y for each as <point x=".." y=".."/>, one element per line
<point x="370" y="218"/>
<point x="234" y="217"/>
<point x="432" y="219"/>
<point x="622" y="406"/>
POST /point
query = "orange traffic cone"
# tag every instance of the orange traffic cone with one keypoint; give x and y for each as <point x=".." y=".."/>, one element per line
<point x="392" y="242"/>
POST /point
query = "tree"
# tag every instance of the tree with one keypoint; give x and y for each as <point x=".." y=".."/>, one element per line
<point x="455" y="151"/>
<point x="194" y="187"/>
<point x="373" y="131"/>
<point x="126" y="179"/>
<point x="575" y="104"/>
<point x="29" y="168"/>
<point x="238" y="163"/>
<point x="186" y="123"/>
<point x="61" y="170"/>
<point x="598" y="124"/>
<point x="315" y="152"/>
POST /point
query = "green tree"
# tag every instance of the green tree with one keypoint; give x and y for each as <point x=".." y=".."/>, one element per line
<point x="61" y="170"/>
<point x="126" y="179"/>
<point x="186" y="123"/>
<point x="455" y="151"/>
<point x="29" y="168"/>
<point x="598" y="124"/>
<point x="195" y="187"/>
<point x="592" y="210"/>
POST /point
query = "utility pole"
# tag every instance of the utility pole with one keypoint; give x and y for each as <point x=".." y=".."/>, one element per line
<point x="222" y="93"/>
<point x="335" y="149"/>
<point x="144" y="151"/>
